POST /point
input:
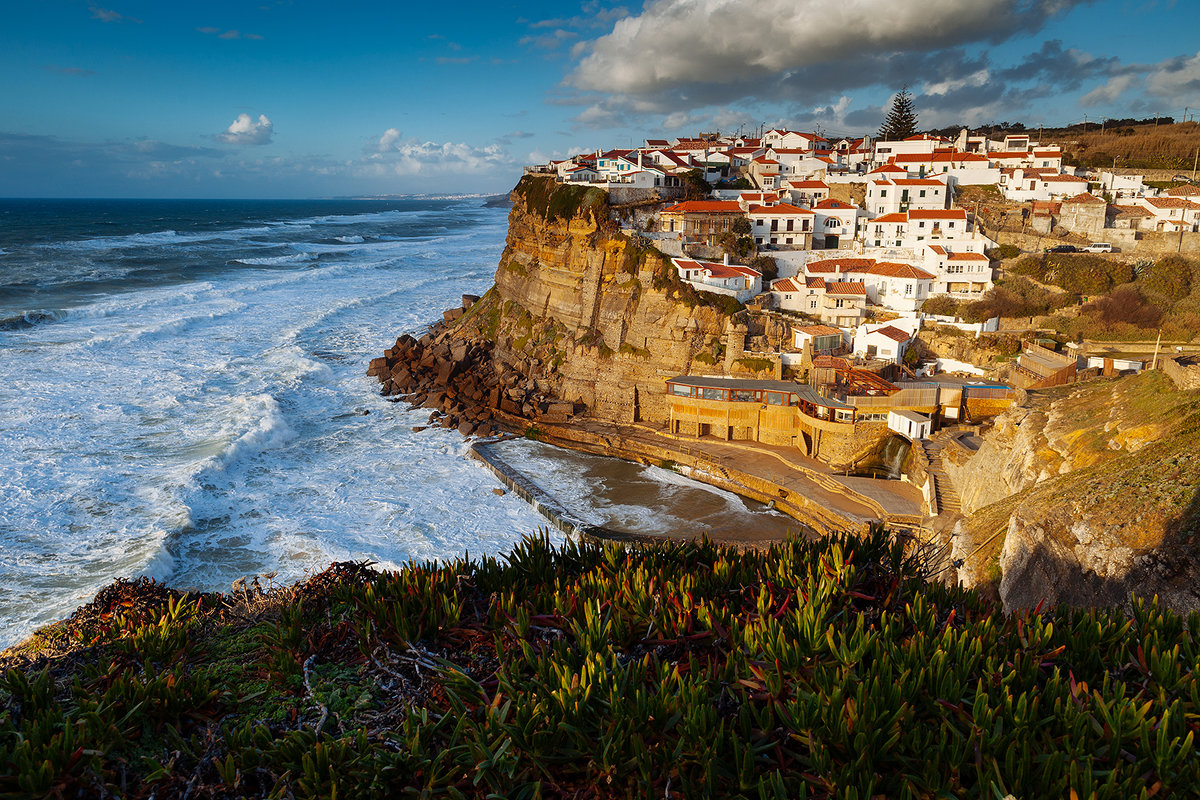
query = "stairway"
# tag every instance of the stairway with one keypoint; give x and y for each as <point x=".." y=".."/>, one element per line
<point x="948" y="501"/>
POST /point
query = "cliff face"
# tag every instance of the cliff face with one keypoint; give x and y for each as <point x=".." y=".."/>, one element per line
<point x="584" y="315"/>
<point x="1086" y="493"/>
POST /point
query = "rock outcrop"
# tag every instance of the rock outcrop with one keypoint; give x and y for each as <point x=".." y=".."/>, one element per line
<point x="1086" y="494"/>
<point x="580" y="318"/>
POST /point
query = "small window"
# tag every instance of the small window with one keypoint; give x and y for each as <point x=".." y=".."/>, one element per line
<point x="682" y="391"/>
<point x="744" y="396"/>
<point x="775" y="399"/>
<point x="714" y="394"/>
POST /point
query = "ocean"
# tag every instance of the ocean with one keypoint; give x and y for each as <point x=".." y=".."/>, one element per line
<point x="183" y="395"/>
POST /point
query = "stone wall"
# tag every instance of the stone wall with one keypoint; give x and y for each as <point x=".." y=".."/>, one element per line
<point x="1183" y="370"/>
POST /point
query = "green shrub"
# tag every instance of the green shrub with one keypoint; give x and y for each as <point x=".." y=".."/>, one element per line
<point x="809" y="669"/>
<point x="1004" y="251"/>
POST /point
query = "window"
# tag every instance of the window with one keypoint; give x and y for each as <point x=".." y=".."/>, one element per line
<point x="744" y="396"/>
<point x="908" y="289"/>
<point x="883" y="192"/>
<point x="775" y="399"/>
<point x="682" y="391"/>
<point x="812" y="303"/>
<point x="713" y="394"/>
<point x="922" y="193"/>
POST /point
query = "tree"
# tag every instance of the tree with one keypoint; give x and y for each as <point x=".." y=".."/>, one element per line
<point x="901" y="121"/>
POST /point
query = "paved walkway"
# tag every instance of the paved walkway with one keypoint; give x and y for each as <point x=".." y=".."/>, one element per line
<point x="784" y="467"/>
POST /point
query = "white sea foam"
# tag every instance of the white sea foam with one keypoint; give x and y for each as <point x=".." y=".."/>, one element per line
<point x="205" y="430"/>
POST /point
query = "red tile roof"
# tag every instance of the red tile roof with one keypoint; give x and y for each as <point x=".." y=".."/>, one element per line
<point x="838" y="265"/>
<point x="948" y="213"/>
<point x="818" y="330"/>
<point x="1083" y="198"/>
<point x="834" y="204"/>
<point x="785" y="285"/>
<point x="893" y="333"/>
<point x="894" y="270"/>
<point x="705" y="207"/>
<point x="780" y="209"/>
<point x="893" y="217"/>
<point x="847" y="287"/>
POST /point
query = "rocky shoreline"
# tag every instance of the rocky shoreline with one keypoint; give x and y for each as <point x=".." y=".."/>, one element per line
<point x="460" y="381"/>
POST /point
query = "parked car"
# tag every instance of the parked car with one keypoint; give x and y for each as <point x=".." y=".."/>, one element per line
<point x="1098" y="247"/>
<point x="1062" y="248"/>
<point x="1184" y="178"/>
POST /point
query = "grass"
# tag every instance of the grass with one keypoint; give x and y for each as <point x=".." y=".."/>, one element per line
<point x="812" y="669"/>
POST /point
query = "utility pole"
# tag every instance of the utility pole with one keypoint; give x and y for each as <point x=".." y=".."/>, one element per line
<point x="1103" y="122"/>
<point x="1154" y="363"/>
<point x="1195" y="161"/>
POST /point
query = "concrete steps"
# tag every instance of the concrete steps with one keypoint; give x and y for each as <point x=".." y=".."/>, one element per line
<point x="948" y="499"/>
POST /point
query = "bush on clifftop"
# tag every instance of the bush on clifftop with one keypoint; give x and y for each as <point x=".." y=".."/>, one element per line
<point x="551" y="200"/>
<point x="681" y="670"/>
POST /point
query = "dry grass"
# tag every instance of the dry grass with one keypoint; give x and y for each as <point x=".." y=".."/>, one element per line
<point x="1170" y="147"/>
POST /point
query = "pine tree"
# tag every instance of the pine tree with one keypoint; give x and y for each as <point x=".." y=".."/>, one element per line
<point x="901" y="121"/>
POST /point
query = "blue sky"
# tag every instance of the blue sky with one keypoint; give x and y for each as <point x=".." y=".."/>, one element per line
<point x="289" y="98"/>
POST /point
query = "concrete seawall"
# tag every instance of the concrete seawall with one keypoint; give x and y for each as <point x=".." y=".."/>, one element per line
<point x="542" y="501"/>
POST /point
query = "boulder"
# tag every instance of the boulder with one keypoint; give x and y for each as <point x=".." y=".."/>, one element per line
<point x="469" y="300"/>
<point x="452" y="314"/>
<point x="466" y="428"/>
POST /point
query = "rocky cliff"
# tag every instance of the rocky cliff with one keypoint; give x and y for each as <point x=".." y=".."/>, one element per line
<point x="1085" y="493"/>
<point x="583" y="314"/>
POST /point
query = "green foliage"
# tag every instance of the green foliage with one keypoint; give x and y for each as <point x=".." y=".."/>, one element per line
<point x="705" y="357"/>
<point x="694" y="185"/>
<point x="551" y="200"/>
<point x="943" y="305"/>
<point x="1004" y="251"/>
<point x="757" y="364"/>
<point x="1171" y="277"/>
<point x="827" y="668"/>
<point x="533" y="432"/>
<point x="1018" y="297"/>
<point x="630" y="350"/>
<point x="767" y="266"/>
<point x="1085" y="273"/>
<point x="901" y="121"/>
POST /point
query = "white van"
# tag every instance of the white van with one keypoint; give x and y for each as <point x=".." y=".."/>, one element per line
<point x="1098" y="247"/>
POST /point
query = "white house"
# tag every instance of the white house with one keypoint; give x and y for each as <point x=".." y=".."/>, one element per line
<point x="893" y="285"/>
<point x="882" y="341"/>
<point x="910" y="424"/>
<point x="733" y="280"/>
<point x="902" y="194"/>
<point x="806" y="193"/>
<point x="781" y="224"/>
<point x="960" y="273"/>
<point x="1171" y="213"/>
<point x="835" y="224"/>
<point x="1119" y="187"/>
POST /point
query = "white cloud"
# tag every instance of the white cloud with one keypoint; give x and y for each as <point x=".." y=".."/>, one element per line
<point x="1175" y="81"/>
<point x="246" y="130"/>
<point x="394" y="155"/>
<point x="675" y="46"/>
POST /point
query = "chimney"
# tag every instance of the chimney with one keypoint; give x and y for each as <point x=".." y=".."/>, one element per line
<point x="727" y="259"/>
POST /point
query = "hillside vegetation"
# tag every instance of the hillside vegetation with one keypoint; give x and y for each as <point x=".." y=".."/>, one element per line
<point x="685" y="670"/>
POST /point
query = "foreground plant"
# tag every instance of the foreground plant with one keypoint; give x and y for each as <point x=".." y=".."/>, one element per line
<point x="682" y="670"/>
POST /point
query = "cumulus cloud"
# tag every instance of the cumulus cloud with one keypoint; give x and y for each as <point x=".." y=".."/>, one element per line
<point x="247" y="130"/>
<point x="1173" y="82"/>
<point x="392" y="154"/>
<point x="680" y="54"/>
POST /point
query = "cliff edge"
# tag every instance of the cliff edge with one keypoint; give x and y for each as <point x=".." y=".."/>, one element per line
<point x="1084" y="494"/>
